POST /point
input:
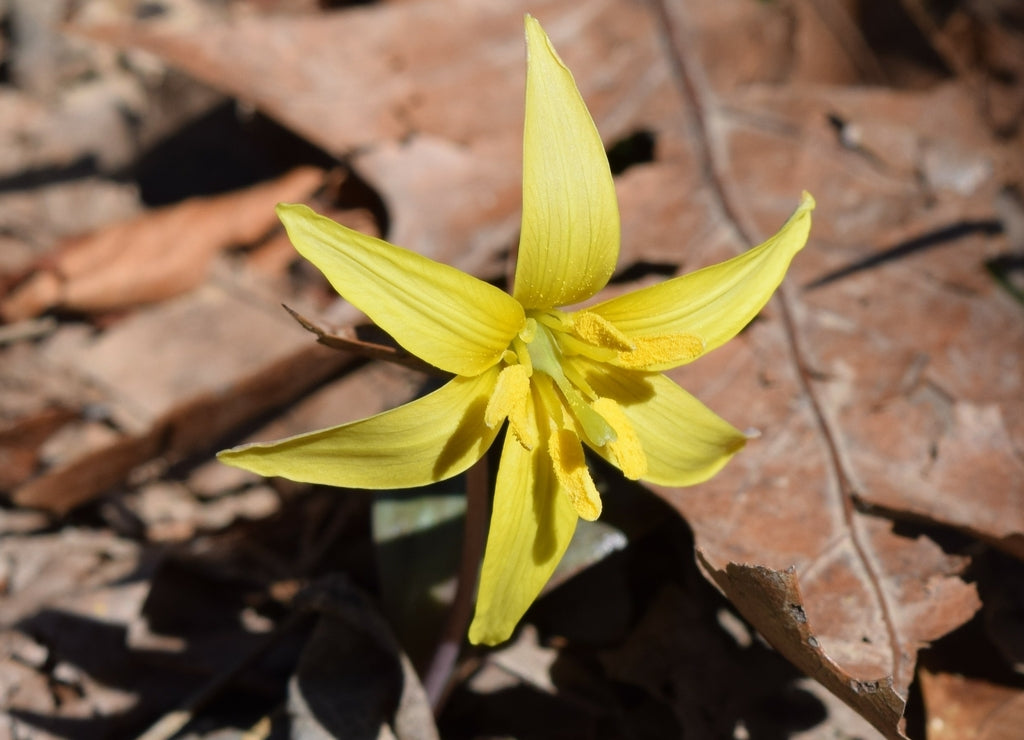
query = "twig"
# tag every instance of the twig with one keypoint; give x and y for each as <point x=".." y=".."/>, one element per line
<point x="348" y="340"/>
<point x="438" y="675"/>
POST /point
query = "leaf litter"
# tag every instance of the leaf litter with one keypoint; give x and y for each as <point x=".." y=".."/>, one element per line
<point x="885" y="382"/>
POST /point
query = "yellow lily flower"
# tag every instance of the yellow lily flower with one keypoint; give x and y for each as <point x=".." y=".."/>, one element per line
<point x="561" y="378"/>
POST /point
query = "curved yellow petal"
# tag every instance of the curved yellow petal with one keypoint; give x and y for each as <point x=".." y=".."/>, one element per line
<point x="531" y="525"/>
<point x="569" y="242"/>
<point x="715" y="303"/>
<point x="426" y="440"/>
<point x="438" y="313"/>
<point x="683" y="440"/>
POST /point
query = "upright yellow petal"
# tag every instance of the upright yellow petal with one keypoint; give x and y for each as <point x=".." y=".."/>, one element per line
<point x="715" y="303"/>
<point x="531" y="526"/>
<point x="438" y="313"/>
<point x="569" y="242"/>
<point x="426" y="440"/>
<point x="683" y="440"/>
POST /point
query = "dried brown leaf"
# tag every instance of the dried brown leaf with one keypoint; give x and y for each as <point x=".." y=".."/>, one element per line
<point x="438" y="133"/>
<point x="966" y="708"/>
<point x="164" y="396"/>
<point x="816" y="371"/>
<point x="829" y="377"/>
<point x="156" y="256"/>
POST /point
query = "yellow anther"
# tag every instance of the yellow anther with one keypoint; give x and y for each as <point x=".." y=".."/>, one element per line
<point x="625" y="448"/>
<point x="510" y="400"/>
<point x="600" y="332"/>
<point x="571" y="470"/>
<point x="662" y="349"/>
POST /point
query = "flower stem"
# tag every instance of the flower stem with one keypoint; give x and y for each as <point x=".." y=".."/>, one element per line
<point x="438" y="675"/>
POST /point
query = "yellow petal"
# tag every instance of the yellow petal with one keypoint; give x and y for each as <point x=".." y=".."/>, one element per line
<point x="531" y="526"/>
<point x="438" y="313"/>
<point x="426" y="440"/>
<point x="683" y="440"/>
<point x="569" y="242"/>
<point x="715" y="303"/>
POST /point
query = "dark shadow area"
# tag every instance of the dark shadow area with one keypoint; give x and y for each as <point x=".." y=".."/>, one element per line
<point x="642" y="269"/>
<point x="642" y="652"/>
<point x="636" y="148"/>
<point x="339" y="4"/>
<point x="220" y="151"/>
<point x="1008" y="271"/>
<point x="195" y="629"/>
<point x="899" y="43"/>
<point x="938" y="238"/>
<point x="161" y="681"/>
<point x="41" y="177"/>
<point x="150" y="9"/>
<point x="5" y="42"/>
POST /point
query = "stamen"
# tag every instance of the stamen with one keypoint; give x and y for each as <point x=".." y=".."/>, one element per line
<point x="576" y="377"/>
<point x="555" y="320"/>
<point x="597" y="430"/>
<point x="521" y="353"/>
<point x="529" y="330"/>
<point x="547" y="359"/>
<point x="571" y="470"/>
<point x="553" y="407"/>
<point x="662" y="349"/>
<point x="626" y="448"/>
<point x="600" y="332"/>
<point x="510" y="401"/>
<point x="574" y="346"/>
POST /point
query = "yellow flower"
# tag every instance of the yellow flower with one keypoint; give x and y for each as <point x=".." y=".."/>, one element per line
<point x="562" y="378"/>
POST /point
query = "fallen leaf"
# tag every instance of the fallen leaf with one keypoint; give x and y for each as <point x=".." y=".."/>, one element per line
<point x="156" y="256"/>
<point x="437" y="135"/>
<point x="160" y="400"/>
<point x="966" y="708"/>
<point x="828" y="374"/>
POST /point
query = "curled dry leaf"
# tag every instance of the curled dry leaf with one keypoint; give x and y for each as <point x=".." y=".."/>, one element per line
<point x="156" y="256"/>
<point x="772" y="600"/>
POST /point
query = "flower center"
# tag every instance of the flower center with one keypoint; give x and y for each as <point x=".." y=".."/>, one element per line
<point x="543" y="392"/>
